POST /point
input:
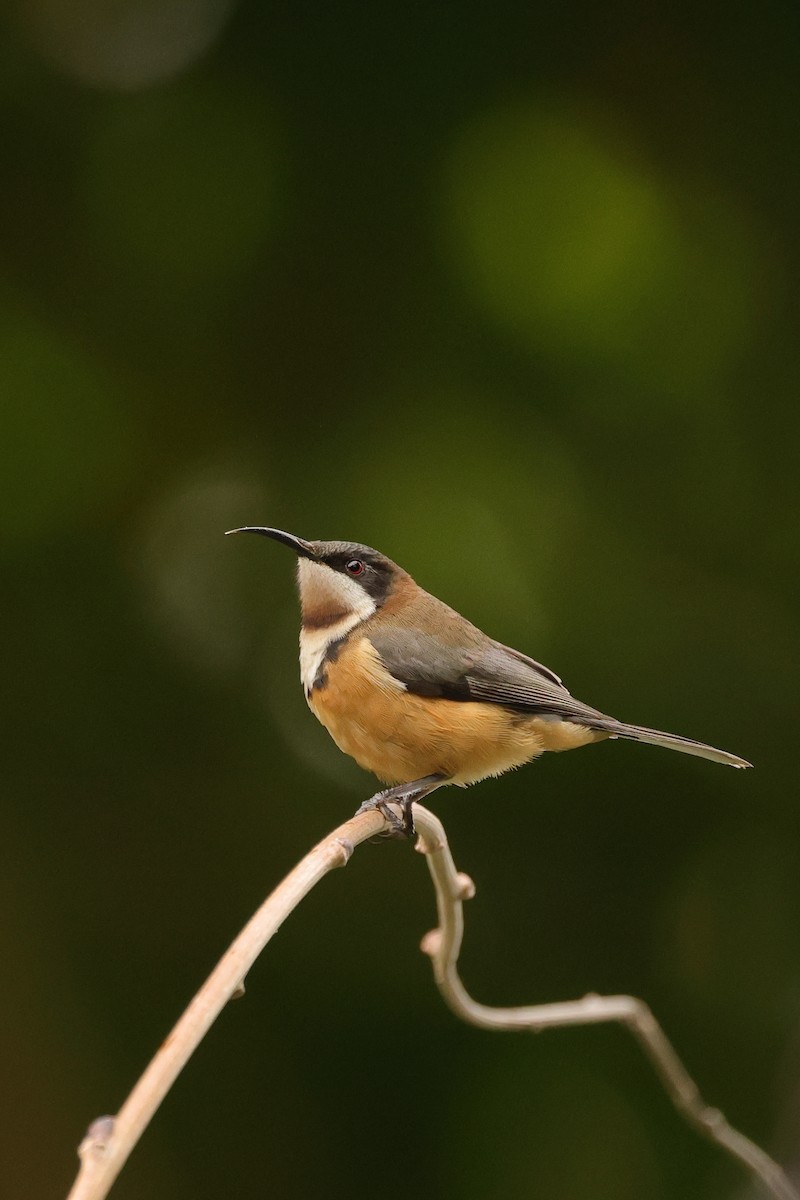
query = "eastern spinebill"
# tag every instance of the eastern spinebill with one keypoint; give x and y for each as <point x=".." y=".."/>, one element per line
<point x="418" y="695"/>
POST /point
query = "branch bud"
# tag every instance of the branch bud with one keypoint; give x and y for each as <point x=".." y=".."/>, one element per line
<point x="431" y="944"/>
<point x="465" y="888"/>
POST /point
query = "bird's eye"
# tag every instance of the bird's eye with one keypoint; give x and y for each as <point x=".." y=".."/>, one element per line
<point x="354" y="567"/>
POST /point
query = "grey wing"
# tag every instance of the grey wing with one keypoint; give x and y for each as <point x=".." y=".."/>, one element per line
<point x="531" y="662"/>
<point x="503" y="676"/>
<point x="496" y="674"/>
<point x="490" y="672"/>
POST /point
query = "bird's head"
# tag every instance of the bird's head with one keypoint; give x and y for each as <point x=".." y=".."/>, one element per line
<point x="337" y="580"/>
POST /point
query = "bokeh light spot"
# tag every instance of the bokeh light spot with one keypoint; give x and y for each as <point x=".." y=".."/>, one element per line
<point x="193" y="583"/>
<point x="494" y="504"/>
<point x="572" y="242"/>
<point x="123" y="44"/>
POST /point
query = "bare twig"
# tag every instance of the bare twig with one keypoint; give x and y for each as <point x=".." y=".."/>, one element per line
<point x="109" y="1140"/>
<point x="443" y="944"/>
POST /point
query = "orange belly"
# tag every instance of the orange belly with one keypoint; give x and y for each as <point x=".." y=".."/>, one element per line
<point x="399" y="736"/>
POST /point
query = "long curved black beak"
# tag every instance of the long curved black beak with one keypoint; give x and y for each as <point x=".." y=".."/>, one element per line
<point x="301" y="547"/>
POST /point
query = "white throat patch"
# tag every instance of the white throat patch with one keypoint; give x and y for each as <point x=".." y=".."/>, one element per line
<point x="325" y="591"/>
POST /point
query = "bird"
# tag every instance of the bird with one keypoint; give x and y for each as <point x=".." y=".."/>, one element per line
<point x="420" y="696"/>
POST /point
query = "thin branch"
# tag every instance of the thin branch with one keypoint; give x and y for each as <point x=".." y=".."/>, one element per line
<point x="110" y="1140"/>
<point x="443" y="945"/>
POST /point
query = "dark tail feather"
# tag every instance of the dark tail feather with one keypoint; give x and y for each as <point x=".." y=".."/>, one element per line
<point x="671" y="741"/>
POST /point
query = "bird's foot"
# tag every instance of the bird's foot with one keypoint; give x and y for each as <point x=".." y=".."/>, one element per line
<point x="404" y="795"/>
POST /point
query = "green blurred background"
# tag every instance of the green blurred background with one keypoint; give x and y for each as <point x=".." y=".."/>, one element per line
<point x="510" y="293"/>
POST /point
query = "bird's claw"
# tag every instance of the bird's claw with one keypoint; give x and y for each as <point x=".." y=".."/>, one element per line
<point x="403" y="795"/>
<point x="399" y="827"/>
